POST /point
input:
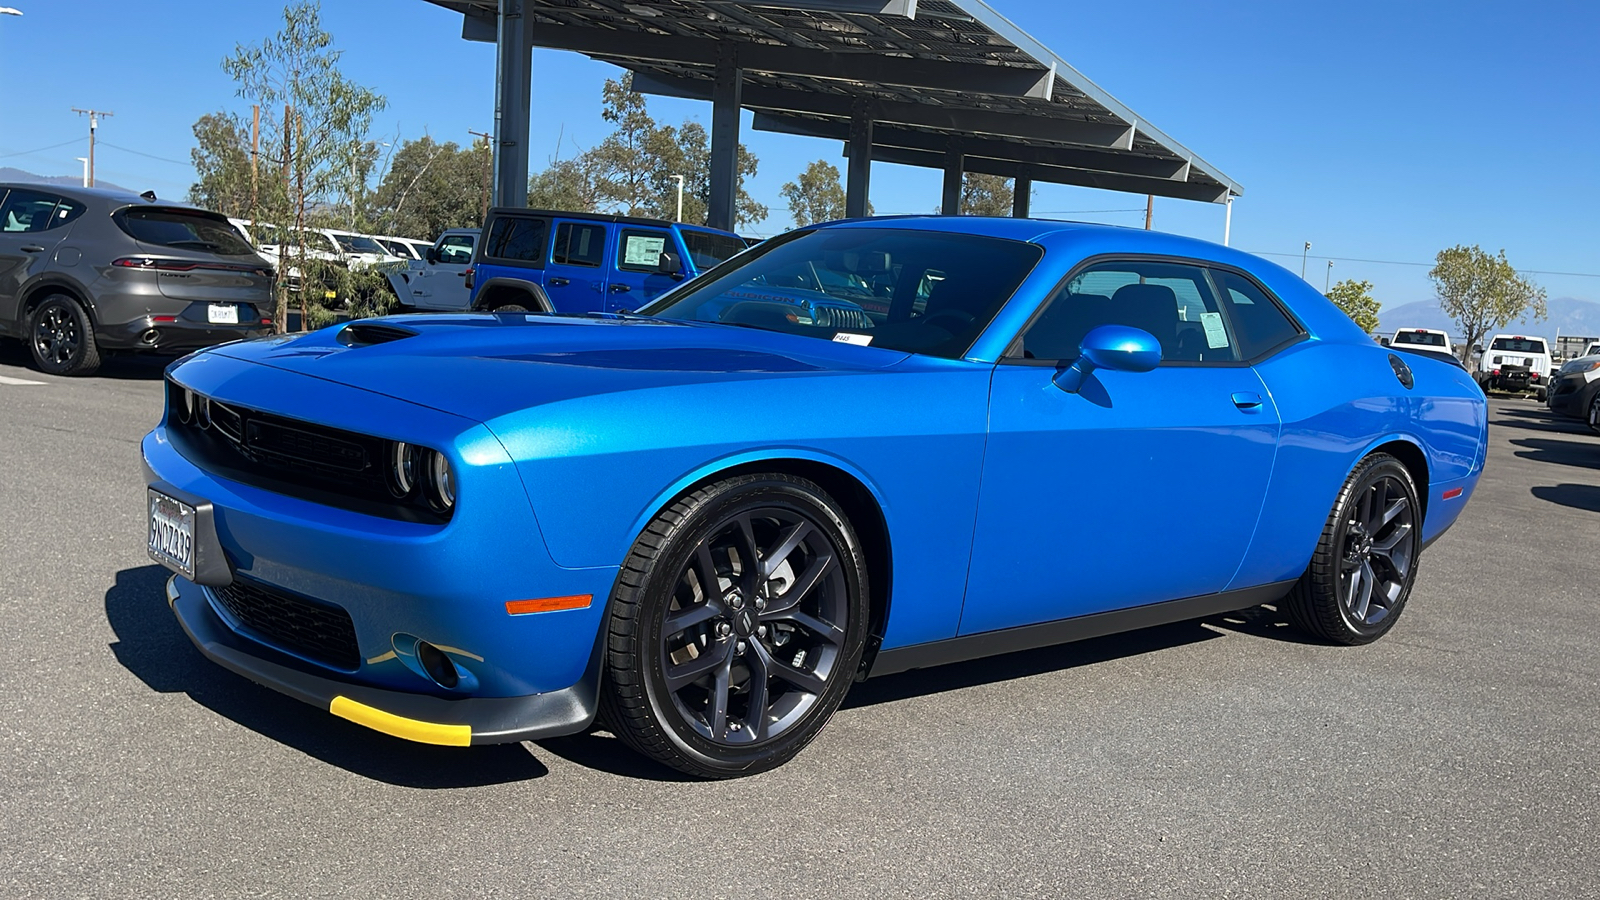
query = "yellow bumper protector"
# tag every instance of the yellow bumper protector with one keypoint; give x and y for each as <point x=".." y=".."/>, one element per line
<point x="400" y="726"/>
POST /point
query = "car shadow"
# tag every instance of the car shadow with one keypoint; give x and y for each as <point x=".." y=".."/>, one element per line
<point x="117" y="366"/>
<point x="1540" y="419"/>
<point x="1578" y="496"/>
<point x="1561" y="453"/>
<point x="152" y="646"/>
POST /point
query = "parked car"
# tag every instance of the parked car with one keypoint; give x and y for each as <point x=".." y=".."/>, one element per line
<point x="1575" y="389"/>
<point x="1515" y="363"/>
<point x="706" y="520"/>
<point x="438" y="281"/>
<point x="358" y="250"/>
<point x="403" y="248"/>
<point x="579" y="262"/>
<point x="86" y="271"/>
<point x="1423" y="338"/>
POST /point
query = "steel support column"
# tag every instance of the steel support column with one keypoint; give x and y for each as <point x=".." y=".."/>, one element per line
<point x="513" y="101"/>
<point x="858" y="178"/>
<point x="954" y="164"/>
<point x="725" y="109"/>
<point x="1021" y="196"/>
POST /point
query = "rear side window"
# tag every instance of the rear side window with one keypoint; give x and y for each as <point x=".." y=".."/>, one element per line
<point x="1259" y="325"/>
<point x="182" y="230"/>
<point x="579" y="244"/>
<point x="29" y="211"/>
<point x="709" y="249"/>
<point x="517" y="239"/>
<point x="640" y="251"/>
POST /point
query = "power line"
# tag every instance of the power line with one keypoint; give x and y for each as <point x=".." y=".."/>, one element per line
<point x="41" y="149"/>
<point x="1400" y="262"/>
<point x="176" y="162"/>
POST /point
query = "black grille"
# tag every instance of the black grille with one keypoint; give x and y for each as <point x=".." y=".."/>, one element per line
<point x="313" y="629"/>
<point x="290" y="456"/>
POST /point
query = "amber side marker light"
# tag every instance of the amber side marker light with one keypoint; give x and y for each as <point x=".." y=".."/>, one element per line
<point x="548" y="604"/>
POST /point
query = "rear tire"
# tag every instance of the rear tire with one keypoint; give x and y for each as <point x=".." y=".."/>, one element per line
<point x="1366" y="560"/>
<point x="736" y="627"/>
<point x="61" y="337"/>
<point x="510" y="308"/>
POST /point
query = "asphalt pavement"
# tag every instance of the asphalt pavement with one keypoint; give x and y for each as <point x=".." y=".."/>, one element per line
<point x="1223" y="758"/>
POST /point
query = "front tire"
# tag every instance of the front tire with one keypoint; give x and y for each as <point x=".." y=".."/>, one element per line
<point x="1593" y="416"/>
<point x="736" y="627"/>
<point x="1366" y="560"/>
<point x="61" y="337"/>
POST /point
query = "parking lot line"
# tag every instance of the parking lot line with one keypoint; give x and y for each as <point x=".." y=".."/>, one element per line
<point x="6" y="379"/>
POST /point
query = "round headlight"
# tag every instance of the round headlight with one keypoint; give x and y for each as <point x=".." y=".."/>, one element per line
<point x="444" y="486"/>
<point x="402" y="468"/>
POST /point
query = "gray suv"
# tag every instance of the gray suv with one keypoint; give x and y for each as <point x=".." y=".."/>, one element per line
<point x="86" y="271"/>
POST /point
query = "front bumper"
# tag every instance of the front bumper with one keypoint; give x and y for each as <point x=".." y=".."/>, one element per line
<point x="1570" y="395"/>
<point x="456" y="722"/>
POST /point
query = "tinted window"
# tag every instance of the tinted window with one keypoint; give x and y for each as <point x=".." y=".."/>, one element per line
<point x="1518" y="345"/>
<point x="355" y="243"/>
<point x="457" y="248"/>
<point x="515" y="238"/>
<point x="785" y="283"/>
<point x="1172" y="301"/>
<point x="26" y="211"/>
<point x="1259" y="324"/>
<point x="640" y="251"/>
<point x="183" y="230"/>
<point x="578" y="244"/>
<point x="1425" y="338"/>
<point x="708" y="249"/>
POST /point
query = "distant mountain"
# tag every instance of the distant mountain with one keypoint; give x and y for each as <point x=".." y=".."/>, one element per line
<point x="9" y="174"/>
<point x="1571" y="315"/>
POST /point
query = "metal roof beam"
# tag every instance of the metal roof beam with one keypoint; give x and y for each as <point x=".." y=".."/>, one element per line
<point x="869" y="68"/>
<point x="1132" y="184"/>
<point x="1071" y="157"/>
<point x="906" y="8"/>
<point x="925" y="115"/>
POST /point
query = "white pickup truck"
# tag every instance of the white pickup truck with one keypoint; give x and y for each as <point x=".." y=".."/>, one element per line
<point x="1515" y="363"/>
<point x="438" y="281"/>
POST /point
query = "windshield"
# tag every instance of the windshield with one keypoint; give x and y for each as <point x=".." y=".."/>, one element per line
<point x="355" y="243"/>
<point x="184" y="230"/>
<point x="1425" y="338"/>
<point x="916" y="291"/>
<point x="708" y="249"/>
<point x="1518" y="345"/>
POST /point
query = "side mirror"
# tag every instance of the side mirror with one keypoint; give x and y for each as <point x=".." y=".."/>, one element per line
<point x="670" y="264"/>
<point x="432" y="256"/>
<point x="1478" y="349"/>
<point x="1116" y="347"/>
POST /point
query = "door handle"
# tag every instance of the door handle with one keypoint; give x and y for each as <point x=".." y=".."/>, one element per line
<point x="1247" y="401"/>
<point x="559" y="282"/>
<point x="32" y="249"/>
<point x="620" y="289"/>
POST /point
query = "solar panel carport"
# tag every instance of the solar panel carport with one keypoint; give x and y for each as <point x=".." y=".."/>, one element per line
<point x="946" y="84"/>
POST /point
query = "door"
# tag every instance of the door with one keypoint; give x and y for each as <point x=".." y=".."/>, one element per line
<point x="1139" y="488"/>
<point x="637" y="279"/>
<point x="443" y="284"/>
<point x="575" y="277"/>
<point x="32" y="223"/>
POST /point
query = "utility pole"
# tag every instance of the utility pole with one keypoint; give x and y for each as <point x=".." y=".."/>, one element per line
<point x="1327" y="279"/>
<point x="93" y="115"/>
<point x="1227" y="221"/>
<point x="1303" y="260"/>
<point x="1149" y="210"/>
<point x="679" y="180"/>
<point x="255" y="157"/>
<point x="488" y="157"/>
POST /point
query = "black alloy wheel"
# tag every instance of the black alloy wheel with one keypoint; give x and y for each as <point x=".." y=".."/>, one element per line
<point x="61" y="338"/>
<point x="1594" y="413"/>
<point x="1364" y="565"/>
<point x="744" y="631"/>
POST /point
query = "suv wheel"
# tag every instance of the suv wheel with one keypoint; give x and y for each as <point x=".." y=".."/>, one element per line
<point x="61" y="337"/>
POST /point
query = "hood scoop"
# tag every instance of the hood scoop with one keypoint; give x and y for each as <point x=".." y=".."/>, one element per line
<point x="365" y="334"/>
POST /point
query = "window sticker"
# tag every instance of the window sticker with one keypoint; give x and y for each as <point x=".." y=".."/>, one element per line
<point x="1216" y="335"/>
<point x="860" y="340"/>
<point x="642" y="251"/>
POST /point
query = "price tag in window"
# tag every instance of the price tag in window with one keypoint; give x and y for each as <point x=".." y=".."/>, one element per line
<point x="1216" y="335"/>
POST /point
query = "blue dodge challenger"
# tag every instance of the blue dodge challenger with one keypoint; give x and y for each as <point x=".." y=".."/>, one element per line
<point x="703" y="521"/>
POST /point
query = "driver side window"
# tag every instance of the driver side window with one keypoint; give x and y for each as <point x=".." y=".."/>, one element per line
<point x="1172" y="301"/>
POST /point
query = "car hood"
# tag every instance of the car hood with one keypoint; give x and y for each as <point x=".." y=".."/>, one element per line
<point x="484" y="366"/>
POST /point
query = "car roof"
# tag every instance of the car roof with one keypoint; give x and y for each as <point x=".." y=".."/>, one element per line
<point x="92" y="193"/>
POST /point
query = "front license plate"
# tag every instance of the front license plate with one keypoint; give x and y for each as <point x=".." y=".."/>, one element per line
<point x="172" y="533"/>
<point x="223" y="314"/>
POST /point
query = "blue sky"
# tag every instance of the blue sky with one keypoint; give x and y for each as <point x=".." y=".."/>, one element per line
<point x="1375" y="130"/>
